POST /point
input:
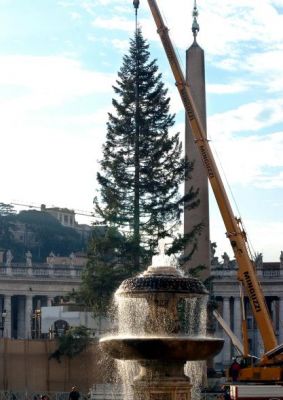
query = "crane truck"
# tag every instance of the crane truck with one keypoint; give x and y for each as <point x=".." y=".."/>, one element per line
<point x="269" y="368"/>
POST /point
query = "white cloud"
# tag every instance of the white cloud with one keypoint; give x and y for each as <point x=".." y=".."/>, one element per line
<point x="122" y="45"/>
<point x="267" y="182"/>
<point x="224" y="88"/>
<point x="264" y="237"/>
<point x="116" y="22"/>
<point x="52" y="163"/>
<point x="48" y="81"/>
<point x="253" y="160"/>
<point x="53" y="155"/>
<point x="88" y="6"/>
<point x="246" y="118"/>
<point x="75" y="16"/>
<point x="269" y="66"/>
<point x="106" y="2"/>
<point x="38" y="72"/>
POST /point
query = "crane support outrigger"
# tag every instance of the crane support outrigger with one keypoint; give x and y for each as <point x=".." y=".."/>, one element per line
<point x="234" y="231"/>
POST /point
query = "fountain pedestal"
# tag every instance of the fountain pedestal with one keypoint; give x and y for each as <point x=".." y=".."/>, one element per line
<point x="162" y="381"/>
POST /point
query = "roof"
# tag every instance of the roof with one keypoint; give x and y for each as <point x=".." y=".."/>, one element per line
<point x="271" y="265"/>
<point x="65" y="210"/>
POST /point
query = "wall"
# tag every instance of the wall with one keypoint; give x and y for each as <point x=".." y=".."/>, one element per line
<point x="74" y="316"/>
<point x="24" y="366"/>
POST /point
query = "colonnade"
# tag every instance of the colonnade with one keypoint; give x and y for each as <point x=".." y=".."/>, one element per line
<point x="17" y="312"/>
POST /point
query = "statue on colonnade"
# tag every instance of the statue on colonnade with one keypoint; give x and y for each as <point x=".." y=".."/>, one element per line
<point x="28" y="259"/>
<point x="9" y="258"/>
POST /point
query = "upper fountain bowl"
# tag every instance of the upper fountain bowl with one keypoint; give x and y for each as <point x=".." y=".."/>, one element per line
<point x="162" y="280"/>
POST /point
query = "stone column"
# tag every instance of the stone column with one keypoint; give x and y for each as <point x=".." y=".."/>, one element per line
<point x="9" y="270"/>
<point x="227" y="319"/>
<point x="273" y="313"/>
<point x="49" y="301"/>
<point x="280" y="339"/>
<point x="21" y="318"/>
<point x="28" y="317"/>
<point x="8" y="320"/>
<point x="51" y="270"/>
<point x="238" y="318"/>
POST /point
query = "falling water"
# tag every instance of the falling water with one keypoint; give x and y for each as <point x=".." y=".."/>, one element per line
<point x="131" y="315"/>
<point x="127" y="370"/>
<point x="196" y="370"/>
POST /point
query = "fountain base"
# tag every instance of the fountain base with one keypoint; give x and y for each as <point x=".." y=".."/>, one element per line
<point x="162" y="381"/>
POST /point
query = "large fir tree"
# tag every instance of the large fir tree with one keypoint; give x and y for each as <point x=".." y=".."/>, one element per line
<point x="142" y="168"/>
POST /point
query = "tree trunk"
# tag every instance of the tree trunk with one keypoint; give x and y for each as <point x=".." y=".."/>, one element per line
<point x="137" y="169"/>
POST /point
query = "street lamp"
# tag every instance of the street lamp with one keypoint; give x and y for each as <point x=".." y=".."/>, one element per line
<point x="2" y="326"/>
<point x="37" y="323"/>
<point x="51" y="333"/>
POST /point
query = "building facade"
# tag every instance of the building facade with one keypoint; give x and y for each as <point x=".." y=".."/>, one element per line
<point x="65" y="216"/>
<point x="56" y="320"/>
<point x="227" y="295"/>
<point x="26" y="287"/>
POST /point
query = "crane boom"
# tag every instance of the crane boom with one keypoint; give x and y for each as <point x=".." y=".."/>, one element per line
<point x="236" y="342"/>
<point x="234" y="231"/>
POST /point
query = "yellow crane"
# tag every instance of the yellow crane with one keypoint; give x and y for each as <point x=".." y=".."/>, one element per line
<point x="270" y="366"/>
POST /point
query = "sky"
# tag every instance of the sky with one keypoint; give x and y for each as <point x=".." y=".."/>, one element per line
<point x="59" y="60"/>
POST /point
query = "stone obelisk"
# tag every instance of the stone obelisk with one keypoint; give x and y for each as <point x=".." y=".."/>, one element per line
<point x="195" y="76"/>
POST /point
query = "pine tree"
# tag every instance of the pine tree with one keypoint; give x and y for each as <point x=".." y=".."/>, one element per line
<point x="142" y="168"/>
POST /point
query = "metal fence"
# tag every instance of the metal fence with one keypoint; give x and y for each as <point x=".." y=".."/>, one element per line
<point x="97" y="392"/>
<point x="106" y="392"/>
<point x="13" y="395"/>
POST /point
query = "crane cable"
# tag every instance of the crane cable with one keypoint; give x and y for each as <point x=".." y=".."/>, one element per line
<point x="249" y="245"/>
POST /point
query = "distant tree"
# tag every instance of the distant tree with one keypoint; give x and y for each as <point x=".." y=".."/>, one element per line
<point x="49" y="234"/>
<point x="7" y="213"/>
<point x="42" y="234"/>
<point x="72" y="343"/>
<point x="142" y="167"/>
<point x="6" y="209"/>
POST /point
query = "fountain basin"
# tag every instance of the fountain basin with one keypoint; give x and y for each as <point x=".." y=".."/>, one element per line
<point x="161" y="348"/>
<point x="161" y="280"/>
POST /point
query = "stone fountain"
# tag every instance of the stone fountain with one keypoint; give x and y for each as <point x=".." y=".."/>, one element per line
<point x="158" y="328"/>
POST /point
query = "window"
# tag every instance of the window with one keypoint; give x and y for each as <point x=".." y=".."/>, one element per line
<point x="250" y="322"/>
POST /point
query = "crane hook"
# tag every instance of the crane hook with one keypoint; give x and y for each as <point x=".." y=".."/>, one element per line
<point x="136" y="4"/>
